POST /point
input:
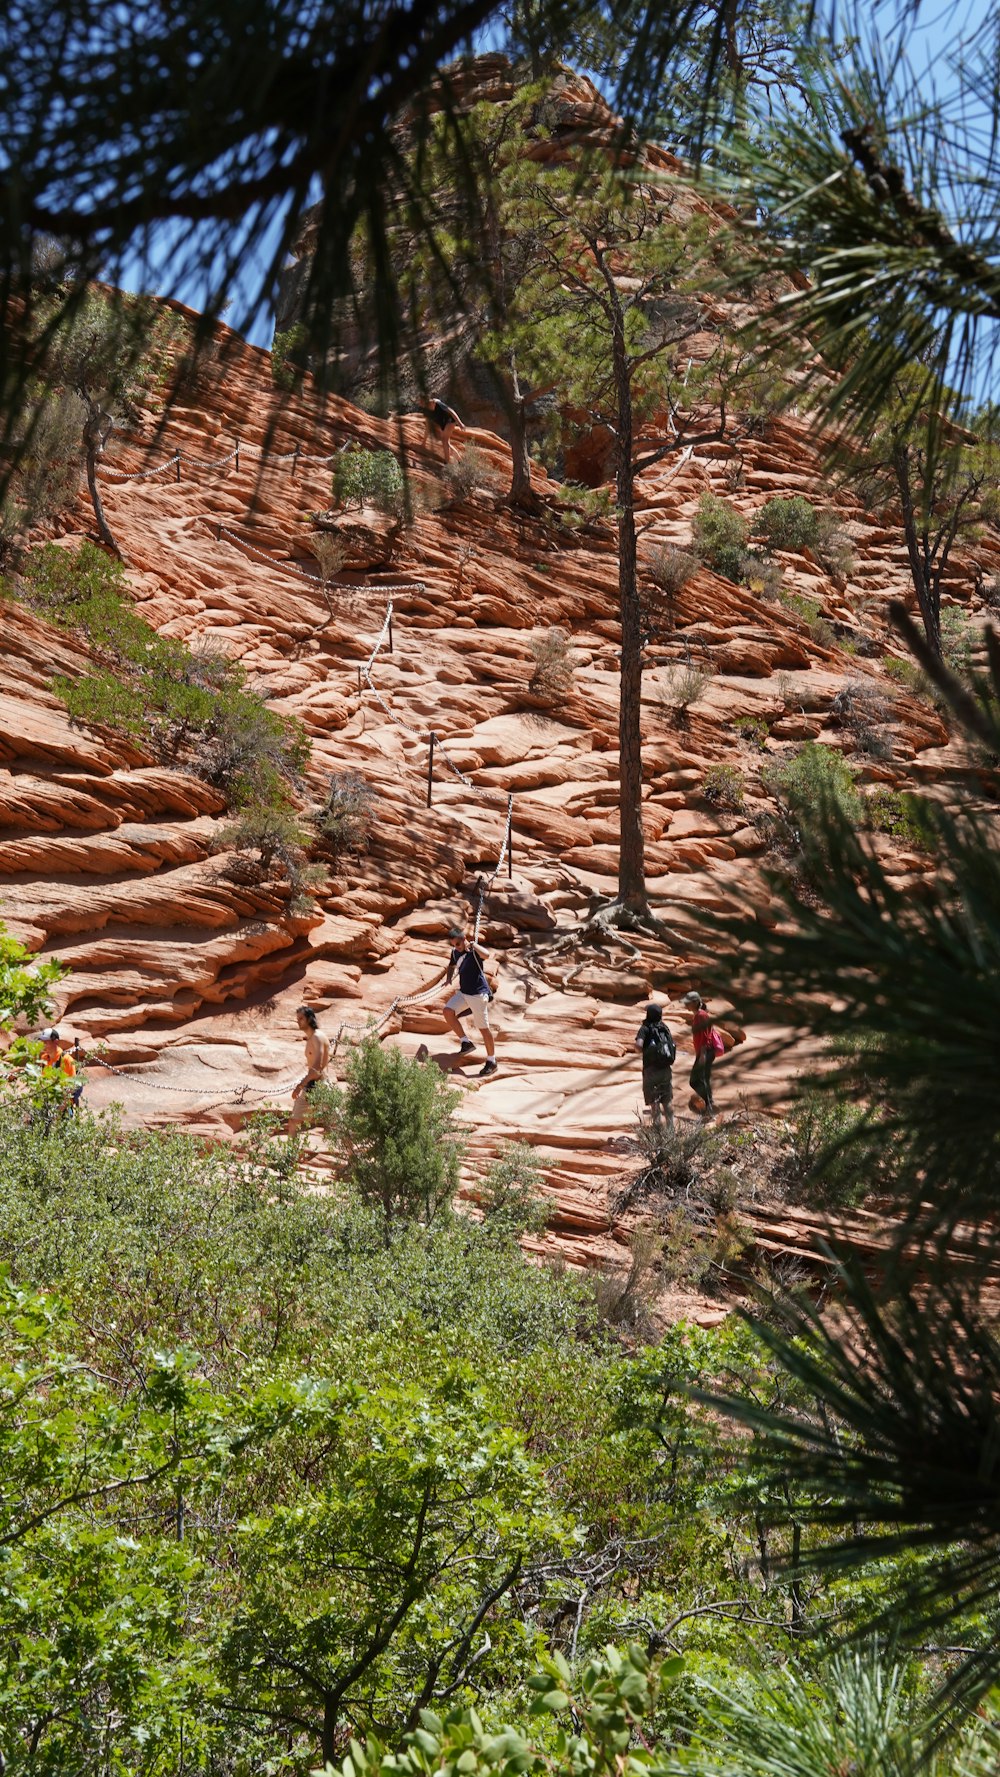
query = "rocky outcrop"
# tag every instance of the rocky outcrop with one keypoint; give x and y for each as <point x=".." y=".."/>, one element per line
<point x="190" y="979"/>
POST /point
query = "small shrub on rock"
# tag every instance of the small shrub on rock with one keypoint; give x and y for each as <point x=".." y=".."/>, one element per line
<point x="466" y="474"/>
<point x="343" y="821"/>
<point x="176" y="700"/>
<point x="288" y="356"/>
<point x="510" y="1197"/>
<point x="277" y="839"/>
<point x="813" y="778"/>
<point x="719" y="536"/>
<point x="370" y="478"/>
<point x="791" y="524"/>
<point x="394" y="1129"/>
<point x="552" y="676"/>
<point x="898" y="814"/>
<point x="725" y="786"/>
<point x="680" y="691"/>
<point x="671" y="568"/>
<point x="862" y="711"/>
<point x="754" y="730"/>
<point x="908" y="674"/>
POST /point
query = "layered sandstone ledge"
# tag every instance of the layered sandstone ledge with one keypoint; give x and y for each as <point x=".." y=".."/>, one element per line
<point x="191" y="980"/>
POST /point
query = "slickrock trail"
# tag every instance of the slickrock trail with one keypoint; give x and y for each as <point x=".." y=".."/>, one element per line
<point x="190" y="980"/>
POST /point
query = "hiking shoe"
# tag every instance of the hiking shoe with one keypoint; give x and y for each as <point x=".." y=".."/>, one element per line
<point x="489" y="1067"/>
<point x="465" y="1045"/>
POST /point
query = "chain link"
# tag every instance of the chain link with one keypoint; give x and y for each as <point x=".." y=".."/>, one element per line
<point x="139" y="474"/>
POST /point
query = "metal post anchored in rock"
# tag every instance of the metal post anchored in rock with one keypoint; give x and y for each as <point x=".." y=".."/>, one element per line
<point x="390" y="629"/>
<point x="430" y="770"/>
<point x="510" y="838"/>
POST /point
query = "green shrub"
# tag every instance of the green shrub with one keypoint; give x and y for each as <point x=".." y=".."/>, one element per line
<point x="813" y="778"/>
<point x="343" y="821"/>
<point x="754" y="730"/>
<point x="907" y="673"/>
<point x="370" y="478"/>
<point x="172" y="698"/>
<point x="719" y="536"/>
<point x="724" y="785"/>
<point x="289" y="359"/>
<point x="802" y="606"/>
<point x="510" y="1196"/>
<point x="826" y="1161"/>
<point x="393" y="1127"/>
<point x="268" y="841"/>
<point x="956" y="639"/>
<point x="791" y="523"/>
<point x="899" y="814"/>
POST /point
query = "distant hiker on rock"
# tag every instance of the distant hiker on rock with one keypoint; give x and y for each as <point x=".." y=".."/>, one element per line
<point x="317" y="1062"/>
<point x="659" y="1052"/>
<point x="473" y="994"/>
<point x="708" y="1043"/>
<point x="441" y="422"/>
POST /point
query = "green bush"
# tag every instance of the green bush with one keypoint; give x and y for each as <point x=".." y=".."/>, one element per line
<point x="370" y="478"/>
<point x="724" y="785"/>
<point x="907" y="673"/>
<point x="826" y="1160"/>
<point x="178" y="701"/>
<point x="814" y="778"/>
<point x="719" y="536"/>
<point x="289" y="360"/>
<point x="276" y="838"/>
<point x="791" y="523"/>
<point x="899" y="814"/>
<point x="510" y="1197"/>
<point x="393" y="1127"/>
<point x="753" y="729"/>
<point x="956" y="639"/>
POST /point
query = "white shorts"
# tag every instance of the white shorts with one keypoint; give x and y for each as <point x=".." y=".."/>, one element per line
<point x="476" y="1003"/>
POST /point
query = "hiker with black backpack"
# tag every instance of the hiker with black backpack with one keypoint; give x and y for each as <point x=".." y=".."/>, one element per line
<point x="473" y="994"/>
<point x="659" y="1052"/>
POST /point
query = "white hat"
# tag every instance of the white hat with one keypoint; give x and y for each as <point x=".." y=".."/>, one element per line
<point x="49" y="1036"/>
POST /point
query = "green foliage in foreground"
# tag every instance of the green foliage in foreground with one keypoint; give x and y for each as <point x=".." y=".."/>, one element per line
<point x="188" y="706"/>
<point x="25" y="984"/>
<point x="278" y="1472"/>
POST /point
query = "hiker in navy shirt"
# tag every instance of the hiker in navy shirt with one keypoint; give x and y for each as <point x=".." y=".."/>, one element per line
<point x="659" y="1053"/>
<point x="441" y="422"/>
<point x="473" y="994"/>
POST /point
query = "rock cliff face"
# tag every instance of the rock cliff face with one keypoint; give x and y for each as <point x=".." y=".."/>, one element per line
<point x="191" y="980"/>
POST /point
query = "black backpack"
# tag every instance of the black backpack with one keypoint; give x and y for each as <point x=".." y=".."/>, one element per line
<point x="659" y="1046"/>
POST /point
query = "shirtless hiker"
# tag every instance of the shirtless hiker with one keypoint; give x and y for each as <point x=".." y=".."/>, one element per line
<point x="317" y="1062"/>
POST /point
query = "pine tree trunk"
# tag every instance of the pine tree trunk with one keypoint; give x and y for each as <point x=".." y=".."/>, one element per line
<point x="95" y="436"/>
<point x="520" y="475"/>
<point x="632" y="857"/>
<point x="926" y="584"/>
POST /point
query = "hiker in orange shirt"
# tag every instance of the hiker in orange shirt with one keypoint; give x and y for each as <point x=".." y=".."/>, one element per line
<point x="59" y="1059"/>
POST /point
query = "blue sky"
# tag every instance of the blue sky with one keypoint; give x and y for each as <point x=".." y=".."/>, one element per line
<point x="933" y="34"/>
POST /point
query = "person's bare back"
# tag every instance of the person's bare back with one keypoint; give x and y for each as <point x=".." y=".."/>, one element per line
<point x="317" y="1061"/>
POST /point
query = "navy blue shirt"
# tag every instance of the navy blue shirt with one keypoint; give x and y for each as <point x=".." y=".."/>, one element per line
<point x="470" y="971"/>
